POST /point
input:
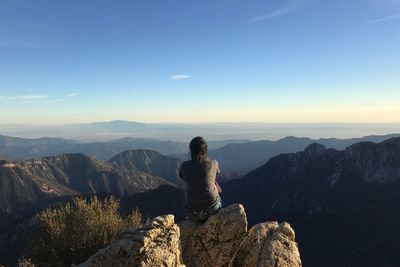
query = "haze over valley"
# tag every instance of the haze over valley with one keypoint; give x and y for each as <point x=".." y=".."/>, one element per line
<point x="183" y="132"/>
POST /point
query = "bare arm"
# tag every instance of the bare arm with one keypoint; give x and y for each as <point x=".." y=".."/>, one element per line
<point x="219" y="190"/>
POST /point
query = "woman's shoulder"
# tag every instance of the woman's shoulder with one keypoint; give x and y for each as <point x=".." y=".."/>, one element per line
<point x="212" y="161"/>
<point x="188" y="163"/>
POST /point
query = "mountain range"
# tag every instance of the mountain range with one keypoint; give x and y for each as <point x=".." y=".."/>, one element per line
<point x="31" y="184"/>
<point x="235" y="157"/>
<point x="344" y="204"/>
<point x="245" y="157"/>
<point x="15" y="148"/>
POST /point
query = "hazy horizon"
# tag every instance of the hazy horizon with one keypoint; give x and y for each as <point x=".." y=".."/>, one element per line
<point x="105" y="131"/>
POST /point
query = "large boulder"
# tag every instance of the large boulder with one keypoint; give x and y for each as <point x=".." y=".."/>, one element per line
<point x="154" y="244"/>
<point x="222" y="240"/>
<point x="268" y="244"/>
<point x="214" y="242"/>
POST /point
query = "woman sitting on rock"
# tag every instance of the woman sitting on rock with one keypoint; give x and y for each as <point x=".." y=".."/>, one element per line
<point x="202" y="189"/>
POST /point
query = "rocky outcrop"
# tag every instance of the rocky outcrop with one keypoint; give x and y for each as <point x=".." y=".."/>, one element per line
<point x="268" y="244"/>
<point x="154" y="244"/>
<point x="214" y="242"/>
<point x="222" y="240"/>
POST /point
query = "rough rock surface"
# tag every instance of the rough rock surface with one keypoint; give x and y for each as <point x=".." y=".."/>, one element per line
<point x="268" y="244"/>
<point x="154" y="244"/>
<point x="214" y="242"/>
<point x="222" y="240"/>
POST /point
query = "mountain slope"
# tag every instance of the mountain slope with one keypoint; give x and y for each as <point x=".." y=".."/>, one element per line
<point x="19" y="187"/>
<point x="88" y="175"/>
<point x="244" y="157"/>
<point x="344" y="204"/>
<point x="28" y="185"/>
<point x="148" y="161"/>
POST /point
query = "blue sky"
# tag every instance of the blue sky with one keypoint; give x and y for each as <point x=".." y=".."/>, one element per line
<point x="199" y="61"/>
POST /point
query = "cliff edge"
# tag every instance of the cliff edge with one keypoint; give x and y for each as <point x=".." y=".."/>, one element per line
<point x="223" y="240"/>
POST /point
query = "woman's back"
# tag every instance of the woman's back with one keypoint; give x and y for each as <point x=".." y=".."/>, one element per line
<point x="200" y="177"/>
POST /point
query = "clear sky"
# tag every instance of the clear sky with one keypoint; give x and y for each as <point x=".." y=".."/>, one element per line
<point x="70" y="61"/>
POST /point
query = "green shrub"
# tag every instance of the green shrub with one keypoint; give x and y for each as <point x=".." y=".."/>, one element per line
<point x="71" y="234"/>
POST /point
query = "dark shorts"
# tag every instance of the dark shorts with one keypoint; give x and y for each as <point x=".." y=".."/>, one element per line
<point x="202" y="215"/>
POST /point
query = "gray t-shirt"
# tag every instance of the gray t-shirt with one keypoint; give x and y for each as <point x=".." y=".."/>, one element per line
<point x="201" y="192"/>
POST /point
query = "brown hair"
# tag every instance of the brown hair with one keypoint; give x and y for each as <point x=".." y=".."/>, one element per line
<point x="198" y="148"/>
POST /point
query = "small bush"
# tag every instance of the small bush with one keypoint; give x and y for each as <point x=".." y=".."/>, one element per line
<point x="71" y="234"/>
<point x="25" y="263"/>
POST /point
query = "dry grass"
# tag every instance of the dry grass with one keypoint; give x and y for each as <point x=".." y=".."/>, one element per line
<point x="71" y="234"/>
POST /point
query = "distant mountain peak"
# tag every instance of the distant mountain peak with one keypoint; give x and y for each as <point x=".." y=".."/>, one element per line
<point x="293" y="138"/>
<point x="118" y="122"/>
<point x="149" y="161"/>
<point x="314" y="149"/>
